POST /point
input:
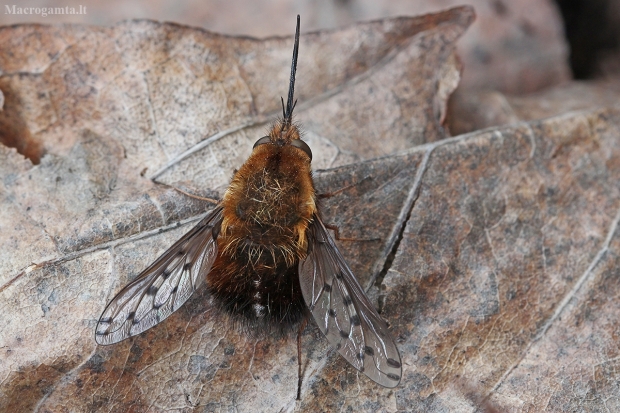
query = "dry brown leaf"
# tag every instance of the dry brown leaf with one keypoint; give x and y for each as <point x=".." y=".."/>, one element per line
<point x="506" y="280"/>
<point x="97" y="106"/>
<point x="502" y="293"/>
<point x="476" y="110"/>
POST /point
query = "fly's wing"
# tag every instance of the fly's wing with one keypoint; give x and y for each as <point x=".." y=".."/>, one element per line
<point x="343" y="312"/>
<point x="164" y="286"/>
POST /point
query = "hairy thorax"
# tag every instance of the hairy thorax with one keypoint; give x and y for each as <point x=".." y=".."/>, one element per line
<point x="267" y="209"/>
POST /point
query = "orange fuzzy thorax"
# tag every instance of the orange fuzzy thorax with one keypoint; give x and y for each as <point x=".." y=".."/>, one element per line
<point x="270" y="202"/>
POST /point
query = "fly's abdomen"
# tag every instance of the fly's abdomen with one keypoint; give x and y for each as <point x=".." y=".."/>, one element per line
<point x="258" y="287"/>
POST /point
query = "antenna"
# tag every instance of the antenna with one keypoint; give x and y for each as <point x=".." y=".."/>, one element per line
<point x="290" y="104"/>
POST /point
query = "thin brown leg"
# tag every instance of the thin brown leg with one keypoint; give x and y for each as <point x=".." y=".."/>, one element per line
<point x="334" y="193"/>
<point x="339" y="238"/>
<point x="215" y="201"/>
<point x="302" y="327"/>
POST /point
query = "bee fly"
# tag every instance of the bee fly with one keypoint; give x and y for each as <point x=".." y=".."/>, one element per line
<point x="267" y="259"/>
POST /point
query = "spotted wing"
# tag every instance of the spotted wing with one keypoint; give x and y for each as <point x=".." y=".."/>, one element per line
<point x="343" y="311"/>
<point x="164" y="286"/>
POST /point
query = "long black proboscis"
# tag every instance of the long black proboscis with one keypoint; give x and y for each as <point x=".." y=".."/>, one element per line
<point x="290" y="104"/>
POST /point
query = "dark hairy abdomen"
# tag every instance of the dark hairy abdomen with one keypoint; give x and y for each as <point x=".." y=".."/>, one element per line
<point x="263" y="295"/>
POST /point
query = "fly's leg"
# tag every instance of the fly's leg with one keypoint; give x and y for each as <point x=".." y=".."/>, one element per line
<point x="302" y="327"/>
<point x="344" y="188"/>
<point x="339" y="238"/>
<point x="200" y="198"/>
<point x="212" y="200"/>
<point x="335" y="227"/>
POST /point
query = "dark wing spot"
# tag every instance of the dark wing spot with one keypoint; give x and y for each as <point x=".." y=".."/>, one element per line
<point x="132" y="317"/>
<point x="339" y="275"/>
<point x="393" y="376"/>
<point x="355" y="320"/>
<point x="158" y="306"/>
<point x="338" y="346"/>
<point x="152" y="290"/>
<point x="347" y="300"/>
<point x="187" y="266"/>
<point x="344" y="334"/>
<point x="332" y="312"/>
<point x="166" y="273"/>
<point x="393" y="363"/>
<point x="327" y="288"/>
<point x="360" y="356"/>
<point x="107" y="320"/>
<point x="174" y="290"/>
<point x="369" y="351"/>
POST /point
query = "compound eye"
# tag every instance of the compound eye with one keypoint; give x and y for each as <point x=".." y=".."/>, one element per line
<point x="299" y="144"/>
<point x="262" y="141"/>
